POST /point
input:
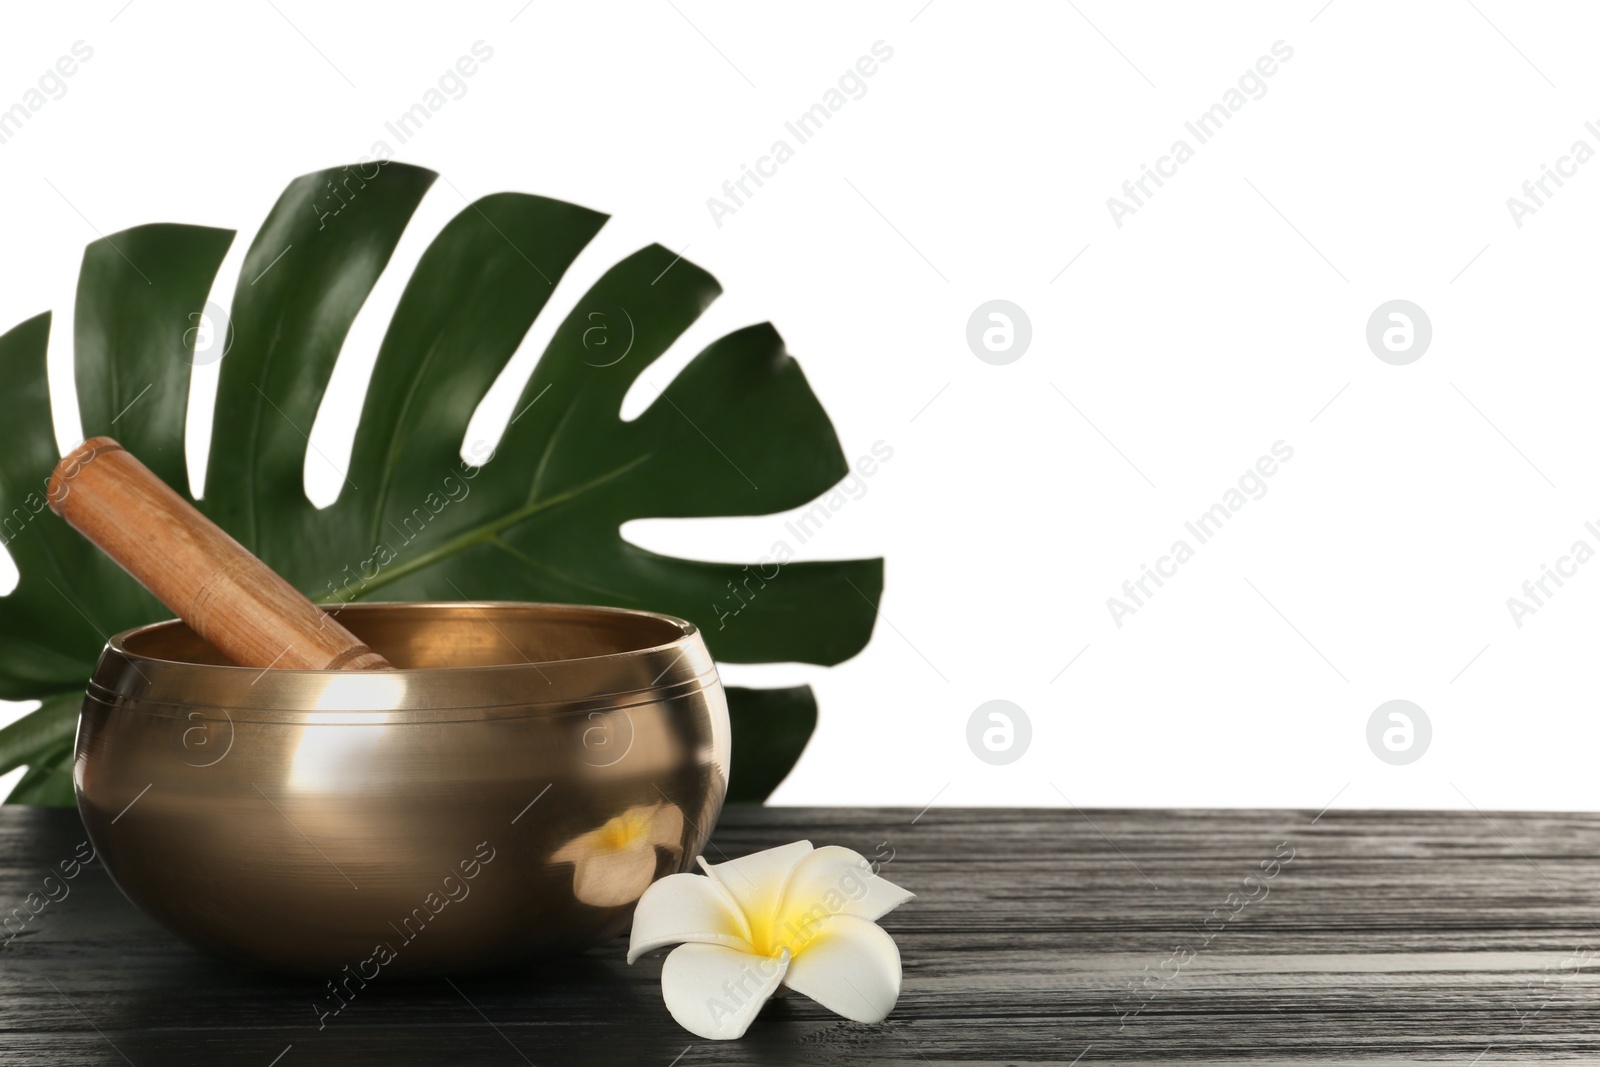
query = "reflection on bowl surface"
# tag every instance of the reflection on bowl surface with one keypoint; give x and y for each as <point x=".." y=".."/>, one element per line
<point x="510" y="789"/>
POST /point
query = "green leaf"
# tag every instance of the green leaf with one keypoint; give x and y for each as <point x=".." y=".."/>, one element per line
<point x="306" y="276"/>
<point x="738" y="432"/>
<point x="48" y="781"/>
<point x="48" y="641"/>
<point x="770" y="729"/>
<point x="49" y="726"/>
<point x="134" y="330"/>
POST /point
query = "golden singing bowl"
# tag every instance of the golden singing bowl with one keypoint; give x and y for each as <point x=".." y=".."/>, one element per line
<point x="510" y="789"/>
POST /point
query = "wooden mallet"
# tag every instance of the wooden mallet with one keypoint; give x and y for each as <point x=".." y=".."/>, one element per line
<point x="209" y="580"/>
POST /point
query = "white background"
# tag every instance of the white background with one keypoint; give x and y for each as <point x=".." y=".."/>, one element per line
<point x="1222" y="317"/>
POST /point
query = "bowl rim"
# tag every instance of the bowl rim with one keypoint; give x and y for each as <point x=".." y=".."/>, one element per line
<point x="675" y="667"/>
<point x="118" y="641"/>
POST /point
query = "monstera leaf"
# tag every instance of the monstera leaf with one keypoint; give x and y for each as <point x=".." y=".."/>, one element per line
<point x="738" y="432"/>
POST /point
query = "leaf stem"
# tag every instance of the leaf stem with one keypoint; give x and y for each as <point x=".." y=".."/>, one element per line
<point x="488" y="532"/>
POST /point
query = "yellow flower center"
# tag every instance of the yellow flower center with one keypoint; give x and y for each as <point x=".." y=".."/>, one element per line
<point x="624" y="830"/>
<point x="793" y="927"/>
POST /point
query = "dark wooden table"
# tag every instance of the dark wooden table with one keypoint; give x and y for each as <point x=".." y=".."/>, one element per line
<point x="1040" y="936"/>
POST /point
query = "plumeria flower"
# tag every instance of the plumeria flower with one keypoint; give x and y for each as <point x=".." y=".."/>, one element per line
<point x="614" y="863"/>
<point x="792" y="917"/>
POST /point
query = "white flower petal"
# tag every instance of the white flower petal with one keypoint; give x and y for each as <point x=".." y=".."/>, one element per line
<point x="839" y="881"/>
<point x="609" y="879"/>
<point x="715" y="992"/>
<point x="754" y="881"/>
<point x="686" y="907"/>
<point x="667" y="828"/>
<point x="850" y="966"/>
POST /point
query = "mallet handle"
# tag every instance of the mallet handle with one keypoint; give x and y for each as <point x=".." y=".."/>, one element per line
<point x="212" y="582"/>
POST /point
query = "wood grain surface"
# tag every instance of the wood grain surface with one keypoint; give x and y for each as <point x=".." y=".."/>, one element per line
<point x="1039" y="936"/>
